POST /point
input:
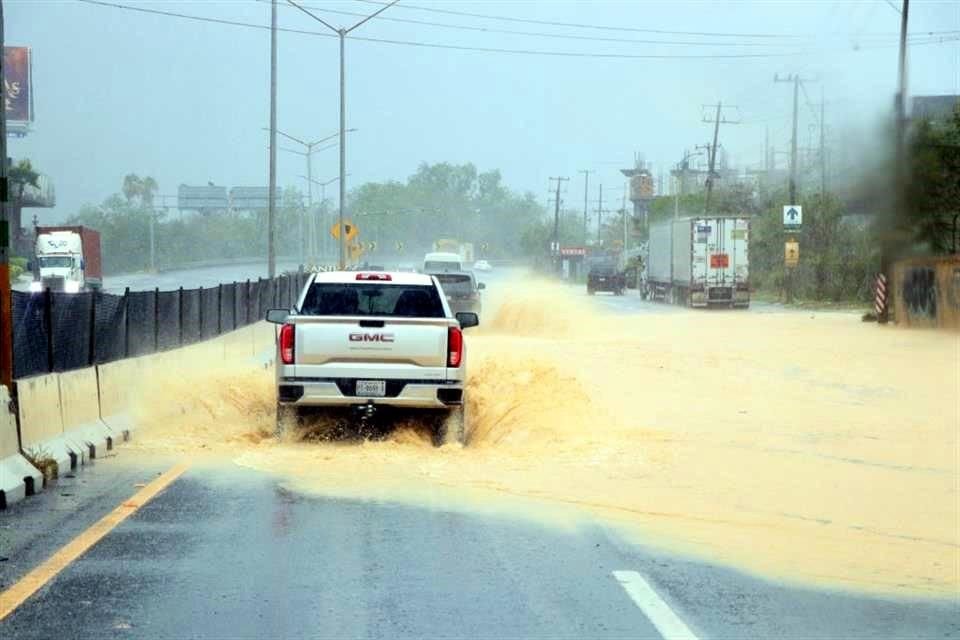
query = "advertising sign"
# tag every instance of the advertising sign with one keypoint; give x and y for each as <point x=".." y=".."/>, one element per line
<point x="18" y="94"/>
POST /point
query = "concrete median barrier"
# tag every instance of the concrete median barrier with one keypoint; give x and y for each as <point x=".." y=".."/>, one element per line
<point x="18" y="478"/>
<point x="41" y="424"/>
<point x="80" y="412"/>
<point x="118" y="383"/>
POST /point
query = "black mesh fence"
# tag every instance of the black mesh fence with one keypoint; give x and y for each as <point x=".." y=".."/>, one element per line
<point x="190" y="320"/>
<point x="55" y="331"/>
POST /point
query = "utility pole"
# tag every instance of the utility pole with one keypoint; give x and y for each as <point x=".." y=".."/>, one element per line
<point x="6" y="297"/>
<point x="623" y="211"/>
<point x="342" y="34"/>
<point x="586" y="186"/>
<point x="599" y="213"/>
<point x="795" y="79"/>
<point x="901" y="149"/>
<point x="153" y="241"/>
<point x="711" y="174"/>
<point x="823" y="148"/>
<point x="272" y="196"/>
<point x="555" y="246"/>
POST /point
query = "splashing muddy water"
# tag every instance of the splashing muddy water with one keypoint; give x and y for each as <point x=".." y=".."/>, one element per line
<point x="803" y="446"/>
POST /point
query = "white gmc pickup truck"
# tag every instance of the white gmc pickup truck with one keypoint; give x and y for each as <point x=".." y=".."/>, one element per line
<point x="372" y="340"/>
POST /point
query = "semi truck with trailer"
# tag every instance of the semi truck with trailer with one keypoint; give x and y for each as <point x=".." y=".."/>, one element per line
<point x="67" y="259"/>
<point x="700" y="261"/>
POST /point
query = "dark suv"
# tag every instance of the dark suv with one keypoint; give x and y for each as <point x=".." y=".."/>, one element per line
<point x="603" y="276"/>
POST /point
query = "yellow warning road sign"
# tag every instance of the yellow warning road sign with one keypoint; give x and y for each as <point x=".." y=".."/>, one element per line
<point x="791" y="253"/>
<point x="350" y="230"/>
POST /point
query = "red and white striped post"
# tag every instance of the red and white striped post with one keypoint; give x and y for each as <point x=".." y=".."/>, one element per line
<point x="880" y="295"/>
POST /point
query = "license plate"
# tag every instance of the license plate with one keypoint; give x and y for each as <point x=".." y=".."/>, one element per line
<point x="376" y="388"/>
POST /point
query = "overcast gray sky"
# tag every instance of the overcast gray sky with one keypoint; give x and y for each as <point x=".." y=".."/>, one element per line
<point x="119" y="91"/>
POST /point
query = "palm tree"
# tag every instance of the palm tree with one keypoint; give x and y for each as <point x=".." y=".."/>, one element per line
<point x="132" y="186"/>
<point x="20" y="175"/>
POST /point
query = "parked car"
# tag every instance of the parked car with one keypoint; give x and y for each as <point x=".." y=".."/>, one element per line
<point x="461" y="290"/>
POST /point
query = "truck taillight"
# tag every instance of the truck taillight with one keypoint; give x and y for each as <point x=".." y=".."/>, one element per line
<point x="384" y="277"/>
<point x="454" y="347"/>
<point x="286" y="343"/>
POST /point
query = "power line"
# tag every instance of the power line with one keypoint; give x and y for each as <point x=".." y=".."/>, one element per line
<point x="576" y="25"/>
<point x="806" y="98"/>
<point x="433" y="45"/>
<point x="536" y="34"/>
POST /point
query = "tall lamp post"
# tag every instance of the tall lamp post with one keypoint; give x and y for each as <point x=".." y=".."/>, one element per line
<point x="323" y="193"/>
<point x="310" y="149"/>
<point x="342" y="34"/>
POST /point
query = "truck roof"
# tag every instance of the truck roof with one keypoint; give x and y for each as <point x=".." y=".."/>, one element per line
<point x="396" y="277"/>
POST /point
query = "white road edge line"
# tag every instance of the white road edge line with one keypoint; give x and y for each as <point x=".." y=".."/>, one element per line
<point x="668" y="623"/>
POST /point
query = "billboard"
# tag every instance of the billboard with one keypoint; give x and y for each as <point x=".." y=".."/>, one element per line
<point x="18" y="92"/>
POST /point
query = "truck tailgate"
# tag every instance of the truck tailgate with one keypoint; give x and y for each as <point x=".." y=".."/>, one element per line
<point x="381" y="341"/>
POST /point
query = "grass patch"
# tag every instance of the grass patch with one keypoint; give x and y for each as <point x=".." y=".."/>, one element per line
<point x="41" y="459"/>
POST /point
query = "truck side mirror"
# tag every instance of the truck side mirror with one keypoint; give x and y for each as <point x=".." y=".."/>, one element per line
<point x="277" y="316"/>
<point x="83" y="264"/>
<point x="467" y="319"/>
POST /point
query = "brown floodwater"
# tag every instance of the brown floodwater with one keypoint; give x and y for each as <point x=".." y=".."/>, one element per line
<point x="804" y="446"/>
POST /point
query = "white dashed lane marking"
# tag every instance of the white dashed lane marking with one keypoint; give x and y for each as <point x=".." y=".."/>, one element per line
<point x="668" y="623"/>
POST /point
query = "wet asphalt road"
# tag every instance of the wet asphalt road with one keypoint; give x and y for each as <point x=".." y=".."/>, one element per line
<point x="226" y="552"/>
<point x="231" y="553"/>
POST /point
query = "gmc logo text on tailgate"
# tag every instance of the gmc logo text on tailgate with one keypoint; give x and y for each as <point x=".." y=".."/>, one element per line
<point x="371" y="337"/>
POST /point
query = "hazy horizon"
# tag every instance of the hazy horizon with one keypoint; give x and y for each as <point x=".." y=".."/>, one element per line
<point x="119" y="91"/>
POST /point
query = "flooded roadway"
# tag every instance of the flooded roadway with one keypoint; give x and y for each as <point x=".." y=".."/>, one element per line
<point x="765" y="475"/>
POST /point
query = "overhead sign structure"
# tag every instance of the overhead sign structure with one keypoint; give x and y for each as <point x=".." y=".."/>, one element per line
<point x="252" y="198"/>
<point x="791" y="253"/>
<point x="200" y="198"/>
<point x="350" y="230"/>
<point x="792" y="215"/>
<point x="18" y="89"/>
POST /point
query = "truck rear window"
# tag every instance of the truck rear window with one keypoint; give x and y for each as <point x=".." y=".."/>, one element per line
<point x="438" y="265"/>
<point x="372" y="299"/>
<point x="455" y="283"/>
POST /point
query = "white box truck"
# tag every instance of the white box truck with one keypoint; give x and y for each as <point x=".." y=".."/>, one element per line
<point x="700" y="262"/>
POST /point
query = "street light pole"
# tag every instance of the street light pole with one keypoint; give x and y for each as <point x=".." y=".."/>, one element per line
<point x="311" y="148"/>
<point x="341" y="261"/>
<point x="272" y="196"/>
<point x="342" y="34"/>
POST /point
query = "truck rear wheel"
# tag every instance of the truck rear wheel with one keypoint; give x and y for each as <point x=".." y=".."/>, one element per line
<point x="288" y="418"/>
<point x="452" y="428"/>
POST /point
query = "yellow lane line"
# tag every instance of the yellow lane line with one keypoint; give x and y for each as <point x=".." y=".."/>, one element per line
<point x="36" y="579"/>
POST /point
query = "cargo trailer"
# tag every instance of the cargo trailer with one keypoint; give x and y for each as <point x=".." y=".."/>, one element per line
<point x="700" y="262"/>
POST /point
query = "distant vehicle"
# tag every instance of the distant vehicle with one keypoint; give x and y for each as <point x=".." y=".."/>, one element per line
<point x="700" y="262"/>
<point x="372" y="340"/>
<point x="604" y="276"/>
<point x="67" y="259"/>
<point x="482" y="265"/>
<point x="440" y="261"/>
<point x="462" y="290"/>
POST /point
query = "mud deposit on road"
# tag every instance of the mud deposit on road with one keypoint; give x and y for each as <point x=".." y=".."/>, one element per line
<point x="805" y="446"/>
